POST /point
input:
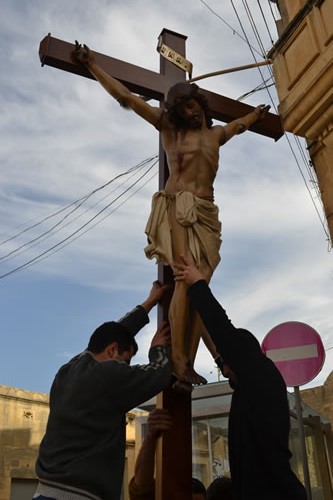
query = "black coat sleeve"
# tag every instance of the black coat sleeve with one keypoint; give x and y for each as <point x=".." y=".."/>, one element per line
<point x="238" y="347"/>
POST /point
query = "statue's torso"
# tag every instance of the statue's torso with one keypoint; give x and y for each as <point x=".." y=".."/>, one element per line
<point x="193" y="157"/>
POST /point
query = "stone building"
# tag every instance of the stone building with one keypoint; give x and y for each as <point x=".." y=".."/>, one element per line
<point x="23" y="418"/>
<point x="321" y="398"/>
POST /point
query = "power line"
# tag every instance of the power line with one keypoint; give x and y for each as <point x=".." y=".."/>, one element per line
<point x="101" y="219"/>
<point x="265" y="22"/>
<point x="87" y="225"/>
<point x="261" y="86"/>
<point x="225" y="22"/>
<point x="76" y="204"/>
<point x="253" y="50"/>
<point x="305" y="160"/>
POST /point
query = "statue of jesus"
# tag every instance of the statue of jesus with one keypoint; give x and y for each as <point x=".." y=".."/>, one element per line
<point x="184" y="218"/>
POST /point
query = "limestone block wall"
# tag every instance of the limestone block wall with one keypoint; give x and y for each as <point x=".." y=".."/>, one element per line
<point x="321" y="398"/>
<point x="289" y="9"/>
<point x="23" y="417"/>
<point x="303" y="70"/>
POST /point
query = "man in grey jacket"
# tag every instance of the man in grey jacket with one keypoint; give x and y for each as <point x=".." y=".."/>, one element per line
<point x="83" y="451"/>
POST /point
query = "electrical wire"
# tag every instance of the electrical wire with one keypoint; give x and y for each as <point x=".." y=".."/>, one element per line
<point x="71" y="212"/>
<point x="262" y="53"/>
<point x="301" y="150"/>
<point x="265" y="22"/>
<point x="261" y="86"/>
<point x="76" y="203"/>
<point x="101" y="219"/>
<point x="225" y="22"/>
<point x="92" y="221"/>
<point x="59" y="225"/>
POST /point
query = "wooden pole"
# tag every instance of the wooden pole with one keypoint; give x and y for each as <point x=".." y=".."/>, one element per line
<point x="174" y="449"/>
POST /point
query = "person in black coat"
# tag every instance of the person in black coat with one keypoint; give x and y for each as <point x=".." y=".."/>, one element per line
<point x="259" y="420"/>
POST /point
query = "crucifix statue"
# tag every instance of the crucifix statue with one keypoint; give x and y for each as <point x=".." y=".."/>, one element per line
<point x="184" y="219"/>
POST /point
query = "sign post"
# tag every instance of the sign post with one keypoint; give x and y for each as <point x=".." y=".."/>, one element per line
<point x="298" y="353"/>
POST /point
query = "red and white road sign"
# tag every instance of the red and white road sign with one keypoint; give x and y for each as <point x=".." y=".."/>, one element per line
<point x="297" y="351"/>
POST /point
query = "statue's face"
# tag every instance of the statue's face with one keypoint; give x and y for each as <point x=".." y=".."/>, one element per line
<point x="191" y="112"/>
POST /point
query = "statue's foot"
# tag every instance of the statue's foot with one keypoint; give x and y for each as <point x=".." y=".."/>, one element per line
<point x="188" y="375"/>
<point x="192" y="377"/>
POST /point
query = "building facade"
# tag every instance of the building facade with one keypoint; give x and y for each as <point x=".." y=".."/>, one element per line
<point x="303" y="70"/>
<point x="321" y="398"/>
<point x="23" y="418"/>
<point x="210" y="413"/>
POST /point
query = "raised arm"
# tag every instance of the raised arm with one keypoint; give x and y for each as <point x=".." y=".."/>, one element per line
<point x="242" y="124"/>
<point x="236" y="346"/>
<point x="137" y="318"/>
<point x="142" y="483"/>
<point x="156" y="294"/>
<point x="116" y="89"/>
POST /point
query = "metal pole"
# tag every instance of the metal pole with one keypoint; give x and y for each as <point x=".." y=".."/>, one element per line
<point x="210" y="452"/>
<point x="230" y="70"/>
<point x="299" y="414"/>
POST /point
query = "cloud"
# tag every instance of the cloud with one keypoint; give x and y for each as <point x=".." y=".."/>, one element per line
<point x="62" y="137"/>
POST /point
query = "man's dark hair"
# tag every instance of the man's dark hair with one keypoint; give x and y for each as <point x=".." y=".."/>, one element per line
<point x="109" y="332"/>
<point x="220" y="488"/>
<point x="197" y="486"/>
<point x="178" y="94"/>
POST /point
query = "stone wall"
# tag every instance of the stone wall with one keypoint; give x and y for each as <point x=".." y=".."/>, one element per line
<point x="321" y="398"/>
<point x="23" y="418"/>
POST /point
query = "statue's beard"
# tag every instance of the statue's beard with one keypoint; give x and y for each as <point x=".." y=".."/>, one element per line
<point x="195" y="123"/>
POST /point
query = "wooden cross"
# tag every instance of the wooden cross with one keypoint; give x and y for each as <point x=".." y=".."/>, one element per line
<point x="174" y="455"/>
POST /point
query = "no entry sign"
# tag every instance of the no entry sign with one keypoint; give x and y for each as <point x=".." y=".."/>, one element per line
<point x="297" y="351"/>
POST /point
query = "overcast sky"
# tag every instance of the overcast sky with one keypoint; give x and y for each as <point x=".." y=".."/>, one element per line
<point x="72" y="254"/>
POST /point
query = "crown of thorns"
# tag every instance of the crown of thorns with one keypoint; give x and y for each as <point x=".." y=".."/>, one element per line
<point x="179" y="93"/>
